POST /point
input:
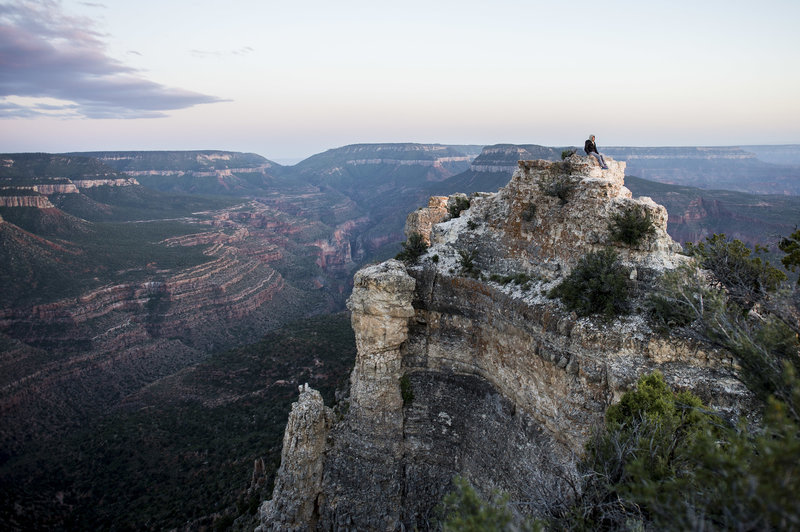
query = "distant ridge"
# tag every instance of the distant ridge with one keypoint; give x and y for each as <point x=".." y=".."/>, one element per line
<point x="188" y="160"/>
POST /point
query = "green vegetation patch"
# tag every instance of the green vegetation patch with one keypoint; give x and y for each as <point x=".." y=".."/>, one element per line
<point x="745" y="275"/>
<point x="521" y="279"/>
<point x="598" y="284"/>
<point x="791" y="247"/>
<point x="459" y="204"/>
<point x="664" y="461"/>
<point x="413" y="249"/>
<point x="183" y="448"/>
<point x="406" y="391"/>
<point x="464" y="510"/>
<point x="467" y="261"/>
<point x="631" y="226"/>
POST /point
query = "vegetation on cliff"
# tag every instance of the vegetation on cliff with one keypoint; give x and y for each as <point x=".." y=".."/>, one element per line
<point x="599" y="284"/>
<point x="631" y="226"/>
<point x="413" y="249"/>
<point x="664" y="460"/>
<point x="665" y="471"/>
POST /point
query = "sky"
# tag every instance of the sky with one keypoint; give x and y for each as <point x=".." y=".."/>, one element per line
<point x="290" y="79"/>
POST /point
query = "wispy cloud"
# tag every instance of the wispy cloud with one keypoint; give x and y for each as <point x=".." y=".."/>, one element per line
<point x="45" y="53"/>
<point x="244" y="50"/>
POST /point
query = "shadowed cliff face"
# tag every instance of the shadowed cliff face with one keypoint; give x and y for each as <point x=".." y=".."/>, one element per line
<point x="460" y="375"/>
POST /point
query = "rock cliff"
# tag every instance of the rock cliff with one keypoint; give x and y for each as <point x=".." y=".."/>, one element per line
<point x="37" y="202"/>
<point x="460" y="373"/>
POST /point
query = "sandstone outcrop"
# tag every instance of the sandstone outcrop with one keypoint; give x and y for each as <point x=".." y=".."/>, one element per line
<point x="91" y="183"/>
<point x="422" y="220"/>
<point x="457" y="374"/>
<point x="299" y="479"/>
<point x="37" y="202"/>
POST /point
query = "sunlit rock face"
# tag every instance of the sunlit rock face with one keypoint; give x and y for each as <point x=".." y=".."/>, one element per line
<point x="460" y="373"/>
<point x="422" y="220"/>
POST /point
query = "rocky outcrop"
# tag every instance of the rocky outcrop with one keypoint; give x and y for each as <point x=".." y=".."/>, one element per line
<point x="65" y="186"/>
<point x="37" y="202"/>
<point x="91" y="183"/>
<point x="422" y="220"/>
<point x="299" y="479"/>
<point x="457" y="374"/>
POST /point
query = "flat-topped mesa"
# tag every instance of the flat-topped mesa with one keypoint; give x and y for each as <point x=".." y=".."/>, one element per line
<point x="38" y="202"/>
<point x="92" y="183"/>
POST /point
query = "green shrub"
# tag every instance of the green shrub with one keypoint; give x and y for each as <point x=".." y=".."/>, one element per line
<point x="665" y="462"/>
<point x="667" y="313"/>
<point x="463" y="510"/>
<point x="599" y="284"/>
<point x="521" y="279"/>
<point x="763" y="343"/>
<point x="472" y="224"/>
<point x="791" y="246"/>
<point x="746" y="278"/>
<point x="413" y="249"/>
<point x="467" y="262"/>
<point x="459" y="204"/>
<point x="631" y="226"/>
<point x="435" y="258"/>
<point x="405" y="390"/>
<point x="567" y="153"/>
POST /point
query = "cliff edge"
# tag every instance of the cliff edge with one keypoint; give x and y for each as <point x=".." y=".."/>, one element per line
<point x="461" y="371"/>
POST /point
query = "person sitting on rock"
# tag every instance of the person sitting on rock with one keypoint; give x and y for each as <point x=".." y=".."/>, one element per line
<point x="591" y="149"/>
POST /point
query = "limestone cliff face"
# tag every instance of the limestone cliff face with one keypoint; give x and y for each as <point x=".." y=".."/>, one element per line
<point x="460" y="375"/>
<point x="299" y="478"/>
<point x="422" y="220"/>
<point x="92" y="183"/>
<point x="38" y="202"/>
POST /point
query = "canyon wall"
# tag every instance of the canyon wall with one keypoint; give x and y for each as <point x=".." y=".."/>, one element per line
<point x="73" y="358"/>
<point x="461" y="373"/>
<point x="37" y="202"/>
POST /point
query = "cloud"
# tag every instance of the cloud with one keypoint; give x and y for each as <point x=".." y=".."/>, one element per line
<point x="244" y="50"/>
<point x="45" y="53"/>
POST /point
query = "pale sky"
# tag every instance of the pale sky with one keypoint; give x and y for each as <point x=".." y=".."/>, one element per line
<point x="289" y="79"/>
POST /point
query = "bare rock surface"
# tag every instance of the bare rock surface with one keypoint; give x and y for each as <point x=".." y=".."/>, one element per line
<point x="457" y="374"/>
<point x="299" y="479"/>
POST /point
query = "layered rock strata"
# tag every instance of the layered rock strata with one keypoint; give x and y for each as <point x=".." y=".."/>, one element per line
<point x="37" y="202"/>
<point x="78" y="356"/>
<point x="459" y="374"/>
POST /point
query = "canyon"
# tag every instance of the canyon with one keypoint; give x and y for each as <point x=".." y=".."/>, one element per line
<point x="123" y="273"/>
